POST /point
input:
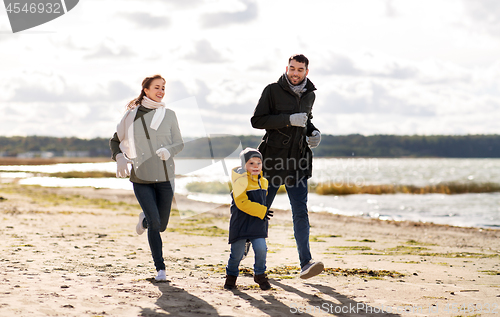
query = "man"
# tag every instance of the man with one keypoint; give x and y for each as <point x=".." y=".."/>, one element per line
<point x="284" y="111"/>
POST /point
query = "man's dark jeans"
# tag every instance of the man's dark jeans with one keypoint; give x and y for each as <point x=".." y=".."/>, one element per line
<point x="297" y="194"/>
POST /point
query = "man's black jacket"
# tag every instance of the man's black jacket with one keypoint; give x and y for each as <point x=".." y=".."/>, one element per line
<point x="287" y="157"/>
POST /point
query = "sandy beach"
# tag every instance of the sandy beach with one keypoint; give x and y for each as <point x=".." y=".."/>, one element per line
<point x="74" y="252"/>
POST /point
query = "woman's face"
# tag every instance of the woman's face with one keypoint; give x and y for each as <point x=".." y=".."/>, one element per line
<point x="156" y="90"/>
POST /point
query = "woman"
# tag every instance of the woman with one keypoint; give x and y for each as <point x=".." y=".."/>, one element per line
<point x="148" y="137"/>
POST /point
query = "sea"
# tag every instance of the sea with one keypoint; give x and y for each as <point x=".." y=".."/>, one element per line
<point x="465" y="210"/>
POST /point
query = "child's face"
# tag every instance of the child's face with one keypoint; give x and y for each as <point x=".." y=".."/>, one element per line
<point x="254" y="166"/>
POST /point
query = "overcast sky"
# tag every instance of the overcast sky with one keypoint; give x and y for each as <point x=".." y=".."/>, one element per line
<point x="380" y="66"/>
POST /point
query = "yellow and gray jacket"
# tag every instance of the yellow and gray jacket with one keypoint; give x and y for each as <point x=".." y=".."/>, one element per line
<point x="248" y="207"/>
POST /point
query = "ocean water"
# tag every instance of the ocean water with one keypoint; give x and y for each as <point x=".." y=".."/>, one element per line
<point x="469" y="210"/>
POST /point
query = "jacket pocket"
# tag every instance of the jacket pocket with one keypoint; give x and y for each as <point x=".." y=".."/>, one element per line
<point x="288" y="107"/>
<point x="279" y="139"/>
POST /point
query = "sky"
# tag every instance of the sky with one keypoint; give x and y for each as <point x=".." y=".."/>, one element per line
<point x="400" y="67"/>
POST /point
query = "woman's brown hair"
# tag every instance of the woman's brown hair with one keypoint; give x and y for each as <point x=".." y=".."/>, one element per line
<point x="145" y="84"/>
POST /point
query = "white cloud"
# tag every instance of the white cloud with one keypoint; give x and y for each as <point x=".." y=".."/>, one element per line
<point x="484" y="15"/>
<point x="58" y="91"/>
<point x="374" y="98"/>
<point x="380" y="66"/>
<point x="105" y="52"/>
<point x="338" y="64"/>
<point x="390" y="10"/>
<point x="148" y="21"/>
<point x="185" y="4"/>
<point x="57" y="119"/>
<point x="205" y="53"/>
<point x="219" y="19"/>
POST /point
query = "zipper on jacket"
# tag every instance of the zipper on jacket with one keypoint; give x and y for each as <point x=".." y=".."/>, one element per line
<point x="263" y="196"/>
<point x="294" y="133"/>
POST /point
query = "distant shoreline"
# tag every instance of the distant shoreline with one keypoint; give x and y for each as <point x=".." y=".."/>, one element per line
<point x="352" y="145"/>
<point x="102" y="159"/>
<point x="53" y="160"/>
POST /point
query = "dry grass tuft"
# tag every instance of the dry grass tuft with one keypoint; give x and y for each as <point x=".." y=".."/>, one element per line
<point x="449" y="188"/>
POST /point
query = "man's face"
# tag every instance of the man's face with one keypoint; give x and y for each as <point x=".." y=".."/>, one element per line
<point x="296" y="72"/>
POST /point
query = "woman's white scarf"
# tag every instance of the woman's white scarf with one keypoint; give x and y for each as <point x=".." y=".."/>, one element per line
<point x="159" y="113"/>
<point x="125" y="129"/>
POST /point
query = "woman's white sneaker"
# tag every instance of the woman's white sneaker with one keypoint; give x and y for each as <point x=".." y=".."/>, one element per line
<point x="140" y="228"/>
<point x="162" y="276"/>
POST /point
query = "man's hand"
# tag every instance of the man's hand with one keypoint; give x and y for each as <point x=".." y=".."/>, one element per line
<point x="269" y="214"/>
<point x="163" y="153"/>
<point x="122" y="166"/>
<point x="314" y="139"/>
<point x="298" y="119"/>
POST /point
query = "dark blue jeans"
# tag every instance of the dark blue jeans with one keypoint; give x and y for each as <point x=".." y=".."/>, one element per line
<point x="156" y="201"/>
<point x="237" y="250"/>
<point x="297" y="194"/>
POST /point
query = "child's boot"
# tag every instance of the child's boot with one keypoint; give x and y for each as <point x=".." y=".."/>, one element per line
<point x="263" y="282"/>
<point x="230" y="282"/>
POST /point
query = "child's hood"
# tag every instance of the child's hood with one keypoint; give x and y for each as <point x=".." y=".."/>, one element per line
<point x="241" y="179"/>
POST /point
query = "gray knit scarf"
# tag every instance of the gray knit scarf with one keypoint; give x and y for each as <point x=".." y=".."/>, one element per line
<point x="297" y="89"/>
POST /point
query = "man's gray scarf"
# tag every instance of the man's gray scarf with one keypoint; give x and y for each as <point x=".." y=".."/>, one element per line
<point x="297" y="89"/>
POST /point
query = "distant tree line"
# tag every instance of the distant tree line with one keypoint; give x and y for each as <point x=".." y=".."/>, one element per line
<point x="12" y="146"/>
<point x="460" y="146"/>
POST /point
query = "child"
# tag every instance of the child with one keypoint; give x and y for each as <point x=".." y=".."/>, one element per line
<point x="249" y="218"/>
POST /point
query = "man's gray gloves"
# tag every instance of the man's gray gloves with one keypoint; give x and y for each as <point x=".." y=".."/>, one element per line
<point x="298" y="119"/>
<point x="314" y="139"/>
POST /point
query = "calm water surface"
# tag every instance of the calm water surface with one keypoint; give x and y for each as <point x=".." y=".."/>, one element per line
<point x="477" y="210"/>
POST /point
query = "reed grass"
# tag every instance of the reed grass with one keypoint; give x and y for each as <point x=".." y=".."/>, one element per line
<point x="50" y="161"/>
<point x="449" y="188"/>
<point x="217" y="187"/>
<point x="89" y="174"/>
<point x="210" y="187"/>
<point x="71" y="174"/>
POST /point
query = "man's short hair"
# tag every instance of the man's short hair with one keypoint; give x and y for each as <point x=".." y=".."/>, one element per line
<point x="299" y="58"/>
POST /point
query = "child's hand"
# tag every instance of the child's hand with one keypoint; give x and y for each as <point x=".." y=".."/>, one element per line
<point x="268" y="215"/>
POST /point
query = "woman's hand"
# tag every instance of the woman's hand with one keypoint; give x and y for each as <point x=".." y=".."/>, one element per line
<point x="122" y="166"/>
<point x="163" y="153"/>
